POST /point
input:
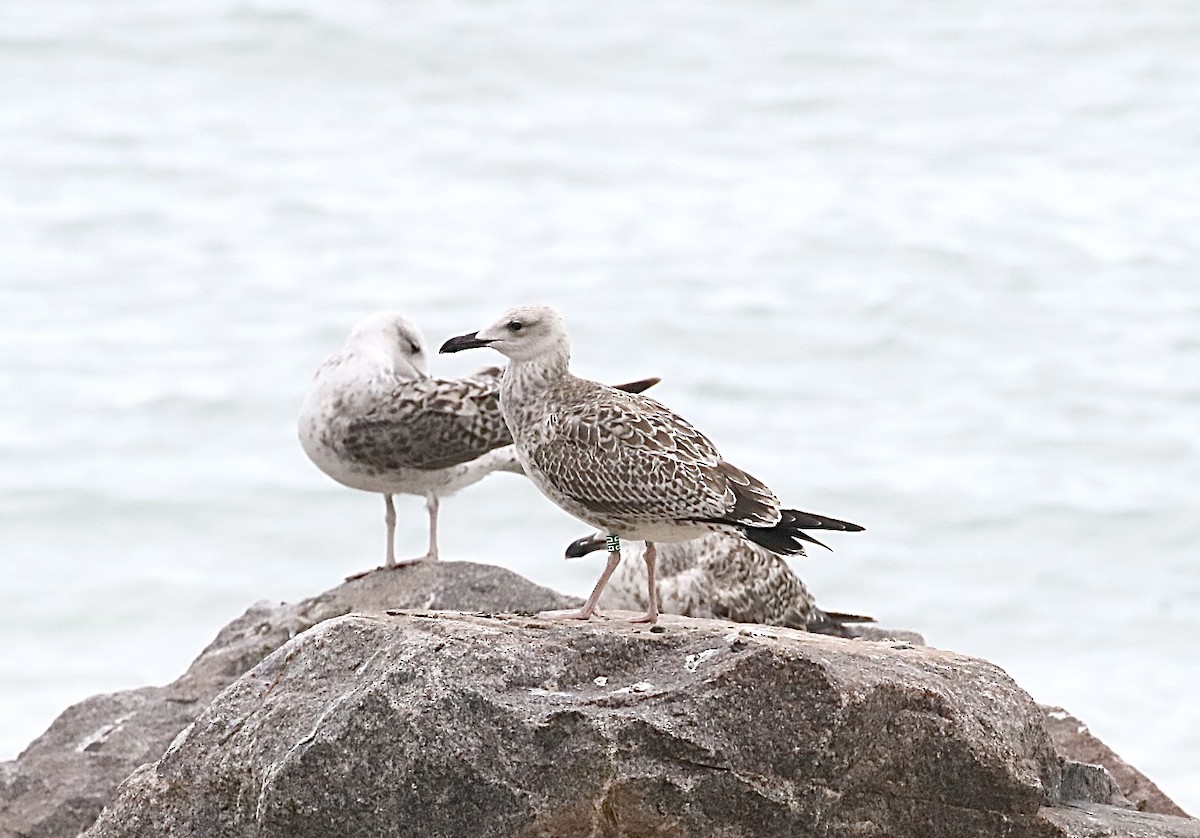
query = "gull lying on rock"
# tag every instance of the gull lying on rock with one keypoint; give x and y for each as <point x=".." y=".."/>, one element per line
<point x="720" y="575"/>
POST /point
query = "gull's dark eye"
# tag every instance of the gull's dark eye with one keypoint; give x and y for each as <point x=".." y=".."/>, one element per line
<point x="414" y="347"/>
<point x="514" y="326"/>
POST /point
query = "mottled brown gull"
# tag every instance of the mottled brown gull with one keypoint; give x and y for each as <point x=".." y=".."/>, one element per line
<point x="621" y="462"/>
<point x="720" y="575"/>
<point x="376" y="420"/>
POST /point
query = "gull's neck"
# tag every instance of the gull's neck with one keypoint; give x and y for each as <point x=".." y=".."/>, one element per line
<point x="539" y="371"/>
<point x="525" y="381"/>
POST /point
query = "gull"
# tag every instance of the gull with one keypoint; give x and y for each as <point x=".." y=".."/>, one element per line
<point x="621" y="462"/>
<point x="724" y="576"/>
<point x="376" y="420"/>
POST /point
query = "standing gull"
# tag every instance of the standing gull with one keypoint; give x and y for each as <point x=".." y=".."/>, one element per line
<point x="376" y="420"/>
<point x="721" y="575"/>
<point x="622" y="462"/>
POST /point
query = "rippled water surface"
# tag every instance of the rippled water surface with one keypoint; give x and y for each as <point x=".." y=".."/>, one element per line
<point x="929" y="268"/>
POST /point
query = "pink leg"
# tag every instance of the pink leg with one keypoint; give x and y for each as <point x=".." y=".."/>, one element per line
<point x="651" y="615"/>
<point x="589" y="607"/>
<point x="389" y="518"/>
<point x="431" y="506"/>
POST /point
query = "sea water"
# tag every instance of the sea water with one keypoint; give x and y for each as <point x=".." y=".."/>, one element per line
<point x="931" y="268"/>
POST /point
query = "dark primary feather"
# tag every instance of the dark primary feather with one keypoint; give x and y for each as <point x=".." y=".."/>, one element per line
<point x="580" y="547"/>
<point x="754" y="504"/>
<point x="834" y="624"/>
<point x="786" y="537"/>
<point x="843" y="617"/>
<point x="639" y="386"/>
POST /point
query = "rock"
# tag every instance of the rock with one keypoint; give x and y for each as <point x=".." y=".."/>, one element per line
<point x="442" y="725"/>
<point x="1090" y="820"/>
<point x="1072" y="739"/>
<point x="59" y="784"/>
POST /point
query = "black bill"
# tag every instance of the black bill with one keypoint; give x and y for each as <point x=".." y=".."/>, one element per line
<point x="462" y="342"/>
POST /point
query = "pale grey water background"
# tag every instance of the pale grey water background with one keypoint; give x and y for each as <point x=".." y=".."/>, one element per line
<point x="929" y="267"/>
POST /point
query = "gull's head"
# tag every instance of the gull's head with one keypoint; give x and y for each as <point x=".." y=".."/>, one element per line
<point x="388" y="338"/>
<point x="522" y="333"/>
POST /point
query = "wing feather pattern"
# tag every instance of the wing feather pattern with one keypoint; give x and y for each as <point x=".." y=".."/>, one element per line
<point x="430" y="423"/>
<point x="629" y="456"/>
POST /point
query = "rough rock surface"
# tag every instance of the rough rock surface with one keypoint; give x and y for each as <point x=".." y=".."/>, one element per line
<point x="405" y="724"/>
<point x="59" y="784"/>
<point x="1073" y="740"/>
